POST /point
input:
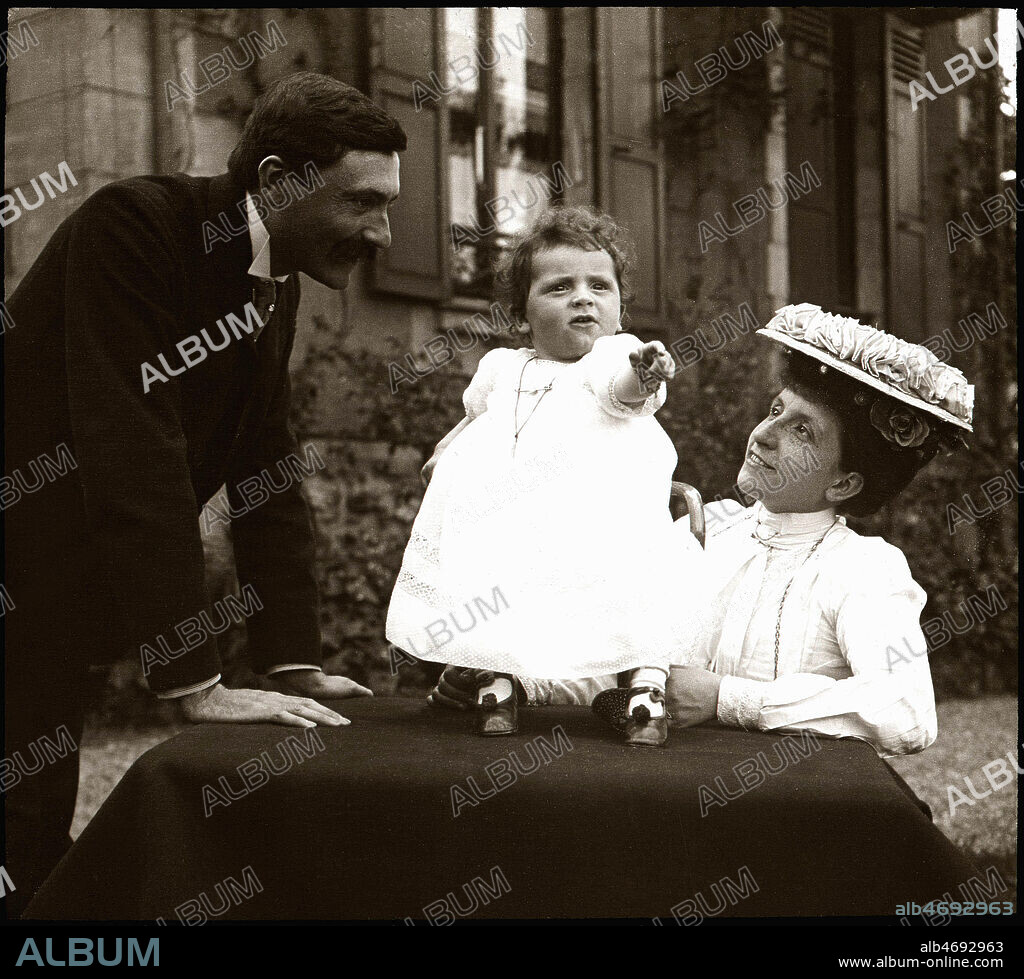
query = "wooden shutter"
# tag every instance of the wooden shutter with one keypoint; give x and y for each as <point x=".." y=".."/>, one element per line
<point x="905" y="184"/>
<point x="810" y="138"/>
<point x="630" y="167"/>
<point x="574" y="40"/>
<point x="406" y="44"/>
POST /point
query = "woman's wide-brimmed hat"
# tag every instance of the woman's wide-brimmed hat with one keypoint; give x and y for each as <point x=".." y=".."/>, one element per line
<point x="907" y="372"/>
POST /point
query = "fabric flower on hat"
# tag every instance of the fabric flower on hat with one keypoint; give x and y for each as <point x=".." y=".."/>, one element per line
<point x="899" y="424"/>
<point x="879" y="354"/>
<point x="907" y="367"/>
<point x="918" y="359"/>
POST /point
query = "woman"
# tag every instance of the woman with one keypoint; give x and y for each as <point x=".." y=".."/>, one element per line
<point x="815" y="627"/>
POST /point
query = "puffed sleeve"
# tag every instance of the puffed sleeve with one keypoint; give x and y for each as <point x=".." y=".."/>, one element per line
<point x="889" y="700"/>
<point x="606" y="362"/>
<point x="491" y="366"/>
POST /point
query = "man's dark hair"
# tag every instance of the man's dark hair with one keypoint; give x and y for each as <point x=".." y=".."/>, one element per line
<point x="887" y="468"/>
<point x="311" y="117"/>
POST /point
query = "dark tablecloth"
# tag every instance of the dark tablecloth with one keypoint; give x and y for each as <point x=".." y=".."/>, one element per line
<point x="365" y="827"/>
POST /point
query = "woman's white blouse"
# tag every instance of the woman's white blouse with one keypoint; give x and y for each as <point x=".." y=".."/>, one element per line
<point x="853" y="660"/>
<point x="852" y="657"/>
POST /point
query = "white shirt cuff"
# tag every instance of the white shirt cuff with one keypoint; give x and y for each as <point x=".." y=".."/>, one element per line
<point x="291" y="666"/>
<point x="185" y="691"/>
<point x="740" y="701"/>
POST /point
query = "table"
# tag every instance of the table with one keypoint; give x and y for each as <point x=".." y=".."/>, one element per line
<point x="408" y="815"/>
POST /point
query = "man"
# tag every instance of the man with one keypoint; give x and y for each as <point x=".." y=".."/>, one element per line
<point x="151" y="354"/>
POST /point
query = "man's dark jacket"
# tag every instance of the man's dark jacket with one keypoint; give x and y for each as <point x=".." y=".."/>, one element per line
<point x="109" y="556"/>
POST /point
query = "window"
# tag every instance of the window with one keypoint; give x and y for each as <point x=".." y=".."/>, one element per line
<point x="500" y="146"/>
<point x="507" y="109"/>
<point x="631" y="169"/>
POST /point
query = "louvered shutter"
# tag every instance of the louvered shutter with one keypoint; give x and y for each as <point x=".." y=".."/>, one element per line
<point x="906" y="201"/>
<point x="810" y="138"/>
<point x="630" y="166"/>
<point x="405" y="48"/>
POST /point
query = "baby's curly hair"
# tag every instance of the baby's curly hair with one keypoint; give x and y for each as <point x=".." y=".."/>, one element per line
<point x="575" y="225"/>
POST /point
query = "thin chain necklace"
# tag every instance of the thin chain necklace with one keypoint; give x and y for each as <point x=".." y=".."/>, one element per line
<point x="785" y="594"/>
<point x="517" y="428"/>
<point x="756" y="534"/>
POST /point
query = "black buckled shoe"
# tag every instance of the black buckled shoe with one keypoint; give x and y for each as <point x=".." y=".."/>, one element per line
<point x="495" y="718"/>
<point x="610" y="705"/>
<point x="641" y="729"/>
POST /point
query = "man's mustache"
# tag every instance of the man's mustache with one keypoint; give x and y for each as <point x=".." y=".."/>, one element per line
<point x="356" y="251"/>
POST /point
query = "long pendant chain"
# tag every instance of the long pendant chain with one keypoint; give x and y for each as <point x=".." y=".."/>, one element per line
<point x="782" y="604"/>
<point x="517" y="428"/>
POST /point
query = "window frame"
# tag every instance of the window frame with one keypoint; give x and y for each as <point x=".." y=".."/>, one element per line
<point x="607" y="151"/>
<point x="486" y="117"/>
<point x="390" y="82"/>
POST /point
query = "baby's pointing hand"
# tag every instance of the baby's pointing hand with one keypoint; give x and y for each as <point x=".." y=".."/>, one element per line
<point x="653" y="364"/>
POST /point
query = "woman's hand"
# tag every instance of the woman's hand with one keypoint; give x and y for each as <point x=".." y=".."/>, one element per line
<point x="692" y="695"/>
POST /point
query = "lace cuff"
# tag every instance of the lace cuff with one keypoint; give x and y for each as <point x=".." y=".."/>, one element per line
<point x="639" y="409"/>
<point x="740" y="701"/>
<point x="531" y="689"/>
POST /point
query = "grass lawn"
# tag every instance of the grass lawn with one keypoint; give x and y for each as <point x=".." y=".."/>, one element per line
<point x="107" y="753"/>
<point x="972" y="733"/>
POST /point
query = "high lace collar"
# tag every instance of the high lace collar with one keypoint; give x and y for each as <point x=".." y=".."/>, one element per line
<point x="791" y="529"/>
<point x="543" y="360"/>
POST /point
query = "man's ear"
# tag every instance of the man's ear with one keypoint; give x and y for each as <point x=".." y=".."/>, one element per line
<point x="271" y="173"/>
<point x="845" y="487"/>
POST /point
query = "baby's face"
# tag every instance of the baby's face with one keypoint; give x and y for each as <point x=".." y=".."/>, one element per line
<point x="573" y="300"/>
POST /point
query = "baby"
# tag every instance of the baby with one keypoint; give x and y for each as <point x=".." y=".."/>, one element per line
<point x="547" y="506"/>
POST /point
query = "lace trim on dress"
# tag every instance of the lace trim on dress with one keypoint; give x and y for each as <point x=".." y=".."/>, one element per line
<point x="422" y="590"/>
<point x="560" y="363"/>
<point x="427" y="549"/>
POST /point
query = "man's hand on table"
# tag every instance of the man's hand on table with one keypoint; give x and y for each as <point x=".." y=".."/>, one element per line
<point x="692" y="695"/>
<point x="218" y="704"/>
<point x="316" y="684"/>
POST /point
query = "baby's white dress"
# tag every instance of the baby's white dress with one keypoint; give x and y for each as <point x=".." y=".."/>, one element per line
<point x="550" y="555"/>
